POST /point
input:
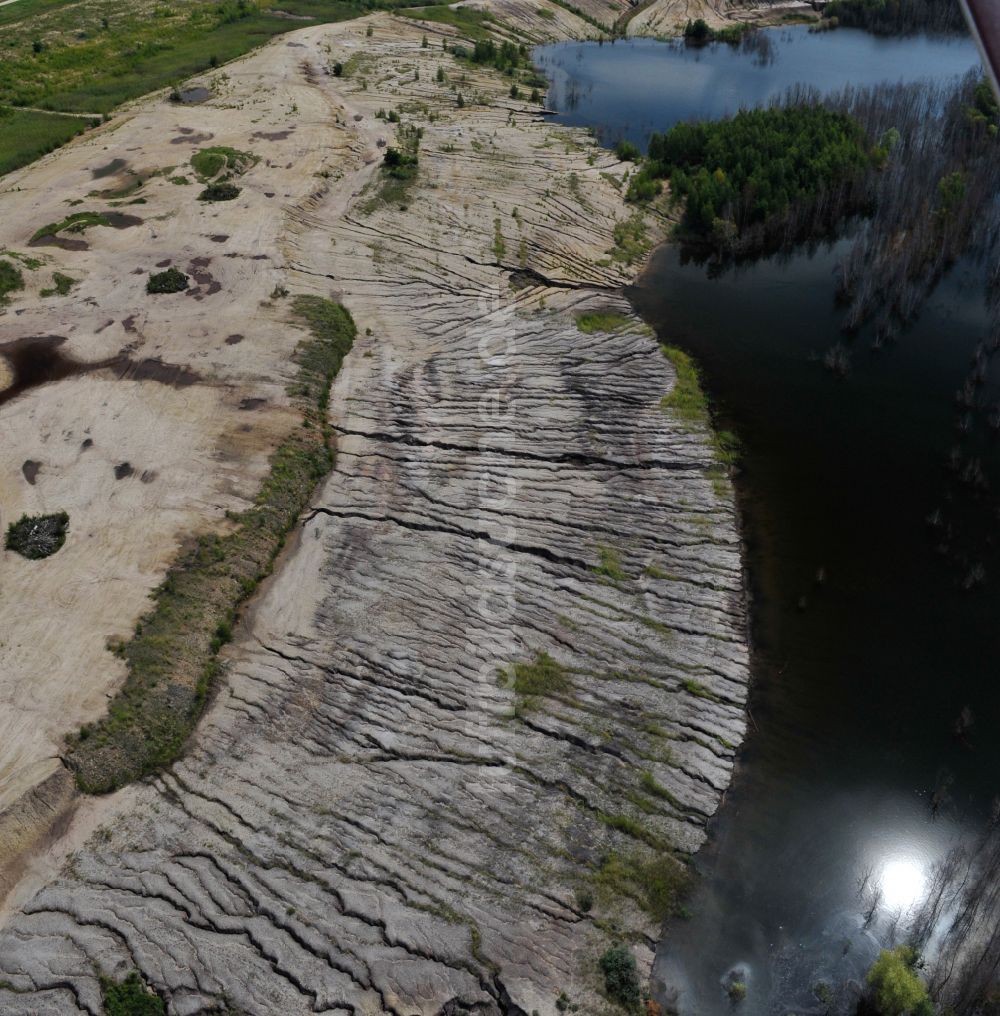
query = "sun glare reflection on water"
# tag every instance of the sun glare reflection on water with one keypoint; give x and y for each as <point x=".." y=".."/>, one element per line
<point x="903" y="882"/>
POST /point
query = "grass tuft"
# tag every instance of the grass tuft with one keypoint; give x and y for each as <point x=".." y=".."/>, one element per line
<point x="686" y="399"/>
<point x="611" y="564"/>
<point x="61" y="285"/>
<point x="543" y="676"/>
<point x="658" y="882"/>
<point x="601" y="321"/>
<point x="11" y="280"/>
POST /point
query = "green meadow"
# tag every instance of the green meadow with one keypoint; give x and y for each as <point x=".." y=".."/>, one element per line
<point x="26" y="136"/>
<point x="89" y="56"/>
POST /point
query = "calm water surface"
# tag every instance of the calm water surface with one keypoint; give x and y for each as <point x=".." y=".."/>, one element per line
<point x="867" y="645"/>
<point x="630" y="88"/>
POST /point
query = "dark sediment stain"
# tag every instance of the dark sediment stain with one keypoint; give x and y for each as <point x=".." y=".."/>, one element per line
<point x="30" y="468"/>
<point x="63" y="242"/>
<point x="122" y="220"/>
<point x="39" y="360"/>
<point x="114" y="166"/>
<point x="198" y="267"/>
<point x="154" y="369"/>
<point x="188" y="136"/>
<point x="272" y="135"/>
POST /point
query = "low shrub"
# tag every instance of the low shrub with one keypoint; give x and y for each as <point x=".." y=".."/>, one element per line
<point x="131" y="997"/>
<point x="170" y="281"/>
<point x="621" y="978"/>
<point x="219" y="192"/>
<point x="627" y="151"/>
<point x="37" y="536"/>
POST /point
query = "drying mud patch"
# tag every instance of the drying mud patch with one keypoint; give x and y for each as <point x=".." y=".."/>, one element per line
<point x="109" y="169"/>
<point x="40" y="360"/>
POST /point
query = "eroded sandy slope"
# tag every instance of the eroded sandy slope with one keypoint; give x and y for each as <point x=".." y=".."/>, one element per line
<point x="372" y="819"/>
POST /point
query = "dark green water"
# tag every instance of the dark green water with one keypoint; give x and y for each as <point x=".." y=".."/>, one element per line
<point x="868" y="645"/>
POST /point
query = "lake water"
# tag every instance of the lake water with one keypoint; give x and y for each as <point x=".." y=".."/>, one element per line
<point x="868" y="646"/>
<point x="628" y="88"/>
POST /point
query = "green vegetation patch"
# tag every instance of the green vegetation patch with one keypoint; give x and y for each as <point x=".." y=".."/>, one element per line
<point x="220" y="192"/>
<point x="621" y="978"/>
<point x="400" y="167"/>
<point x="631" y="238"/>
<point x="657" y="882"/>
<point x="611" y="564"/>
<point x="472" y="23"/>
<point x="627" y="151"/>
<point x="754" y="170"/>
<point x="696" y="688"/>
<point x="208" y="163"/>
<point x="26" y="135"/>
<point x="699" y="32"/>
<point x="170" y="281"/>
<point x="172" y="659"/>
<point x="601" y="321"/>
<point x="61" y="285"/>
<point x="542" y="676"/>
<point x="37" y="536"/>
<point x="895" y="986"/>
<point x="131" y="997"/>
<point x="78" y="222"/>
<point x="654" y="788"/>
<point x="11" y="280"/>
<point x="686" y="399"/>
<point x="896" y="17"/>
